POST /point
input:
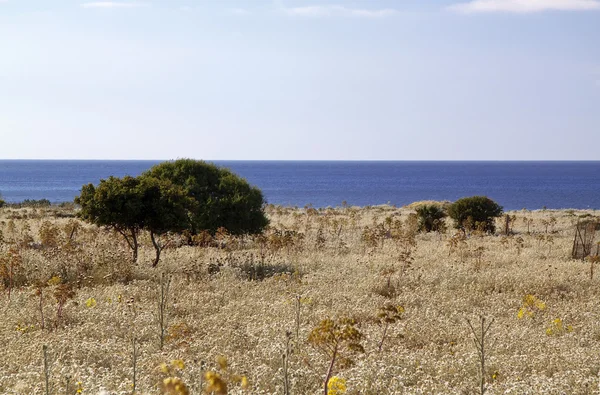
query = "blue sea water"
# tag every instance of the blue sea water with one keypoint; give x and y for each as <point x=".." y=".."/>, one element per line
<point x="514" y="185"/>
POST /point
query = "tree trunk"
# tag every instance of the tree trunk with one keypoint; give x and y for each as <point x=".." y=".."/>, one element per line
<point x="133" y="243"/>
<point x="157" y="247"/>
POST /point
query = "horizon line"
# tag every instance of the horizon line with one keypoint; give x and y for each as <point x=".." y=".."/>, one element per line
<point x="301" y="160"/>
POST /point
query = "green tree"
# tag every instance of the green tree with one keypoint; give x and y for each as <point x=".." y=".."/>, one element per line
<point x="129" y="205"/>
<point x="222" y="198"/>
<point x="166" y="207"/>
<point x="431" y="218"/>
<point x="475" y="211"/>
<point x="115" y="203"/>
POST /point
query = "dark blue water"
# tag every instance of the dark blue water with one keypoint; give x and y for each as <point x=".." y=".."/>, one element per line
<point x="515" y="185"/>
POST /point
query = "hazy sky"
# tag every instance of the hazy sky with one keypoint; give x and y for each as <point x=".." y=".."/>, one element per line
<point x="303" y="79"/>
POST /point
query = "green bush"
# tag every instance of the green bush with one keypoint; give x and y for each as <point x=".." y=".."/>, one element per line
<point x="475" y="212"/>
<point x="2" y="203"/>
<point x="431" y="218"/>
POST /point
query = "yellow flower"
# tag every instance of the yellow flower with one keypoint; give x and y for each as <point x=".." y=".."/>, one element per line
<point x="178" y="363"/>
<point x="336" y="386"/>
<point x="222" y="361"/>
<point x="245" y="384"/>
<point x="54" y="281"/>
<point x="164" y="368"/>
<point x="174" y="386"/>
<point x="215" y="383"/>
<point x="91" y="302"/>
<point x="529" y="300"/>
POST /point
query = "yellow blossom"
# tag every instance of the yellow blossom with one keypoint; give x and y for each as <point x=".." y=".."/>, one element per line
<point x="215" y="383"/>
<point x="54" y="281"/>
<point x="174" y="386"/>
<point x="178" y="363"/>
<point x="91" y="302"/>
<point x="336" y="386"/>
<point x="222" y="361"/>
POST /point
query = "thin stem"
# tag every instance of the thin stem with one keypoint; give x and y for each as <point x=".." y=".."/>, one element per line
<point x="330" y="369"/>
<point x="134" y="364"/>
<point x="383" y="336"/>
<point x="46" y="371"/>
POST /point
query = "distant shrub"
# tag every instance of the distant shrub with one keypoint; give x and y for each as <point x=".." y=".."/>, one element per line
<point x="2" y="203"/>
<point x="475" y="212"/>
<point x="36" y="203"/>
<point x="431" y="218"/>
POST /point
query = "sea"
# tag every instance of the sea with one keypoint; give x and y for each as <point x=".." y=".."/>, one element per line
<point x="514" y="185"/>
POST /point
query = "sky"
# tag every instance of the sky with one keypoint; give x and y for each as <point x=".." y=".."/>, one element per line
<point x="300" y="79"/>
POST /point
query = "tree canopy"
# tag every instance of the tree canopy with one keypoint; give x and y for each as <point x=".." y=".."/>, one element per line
<point x="172" y="197"/>
<point x="131" y="204"/>
<point x="222" y="198"/>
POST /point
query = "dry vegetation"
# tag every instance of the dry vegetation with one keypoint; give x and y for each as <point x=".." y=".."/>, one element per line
<point x="400" y="302"/>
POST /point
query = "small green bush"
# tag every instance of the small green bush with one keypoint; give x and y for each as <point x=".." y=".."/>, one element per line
<point x="475" y="212"/>
<point x="431" y="218"/>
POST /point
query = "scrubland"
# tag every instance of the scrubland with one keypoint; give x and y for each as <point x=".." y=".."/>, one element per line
<point x="73" y="288"/>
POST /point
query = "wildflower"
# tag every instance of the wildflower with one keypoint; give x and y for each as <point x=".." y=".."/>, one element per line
<point x="215" y="383"/>
<point x="222" y="361"/>
<point x="174" y="386"/>
<point x="178" y="363"/>
<point x="336" y="386"/>
<point x="54" y="281"/>
<point x="557" y="327"/>
<point x="91" y="302"/>
<point x="530" y="306"/>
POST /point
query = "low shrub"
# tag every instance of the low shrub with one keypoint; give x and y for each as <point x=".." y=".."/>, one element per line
<point x="431" y="218"/>
<point x="475" y="212"/>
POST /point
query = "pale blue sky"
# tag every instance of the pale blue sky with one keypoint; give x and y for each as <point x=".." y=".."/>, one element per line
<point x="302" y="79"/>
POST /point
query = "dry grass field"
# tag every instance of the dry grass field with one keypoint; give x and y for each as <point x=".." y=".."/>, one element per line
<point x="72" y="287"/>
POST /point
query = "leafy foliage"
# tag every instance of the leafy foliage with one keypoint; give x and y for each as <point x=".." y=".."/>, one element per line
<point x="475" y="212"/>
<point x="336" y="338"/>
<point x="431" y="218"/>
<point x="222" y="198"/>
<point x="130" y="204"/>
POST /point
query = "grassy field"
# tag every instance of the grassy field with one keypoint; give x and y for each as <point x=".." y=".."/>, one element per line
<point x="73" y="288"/>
